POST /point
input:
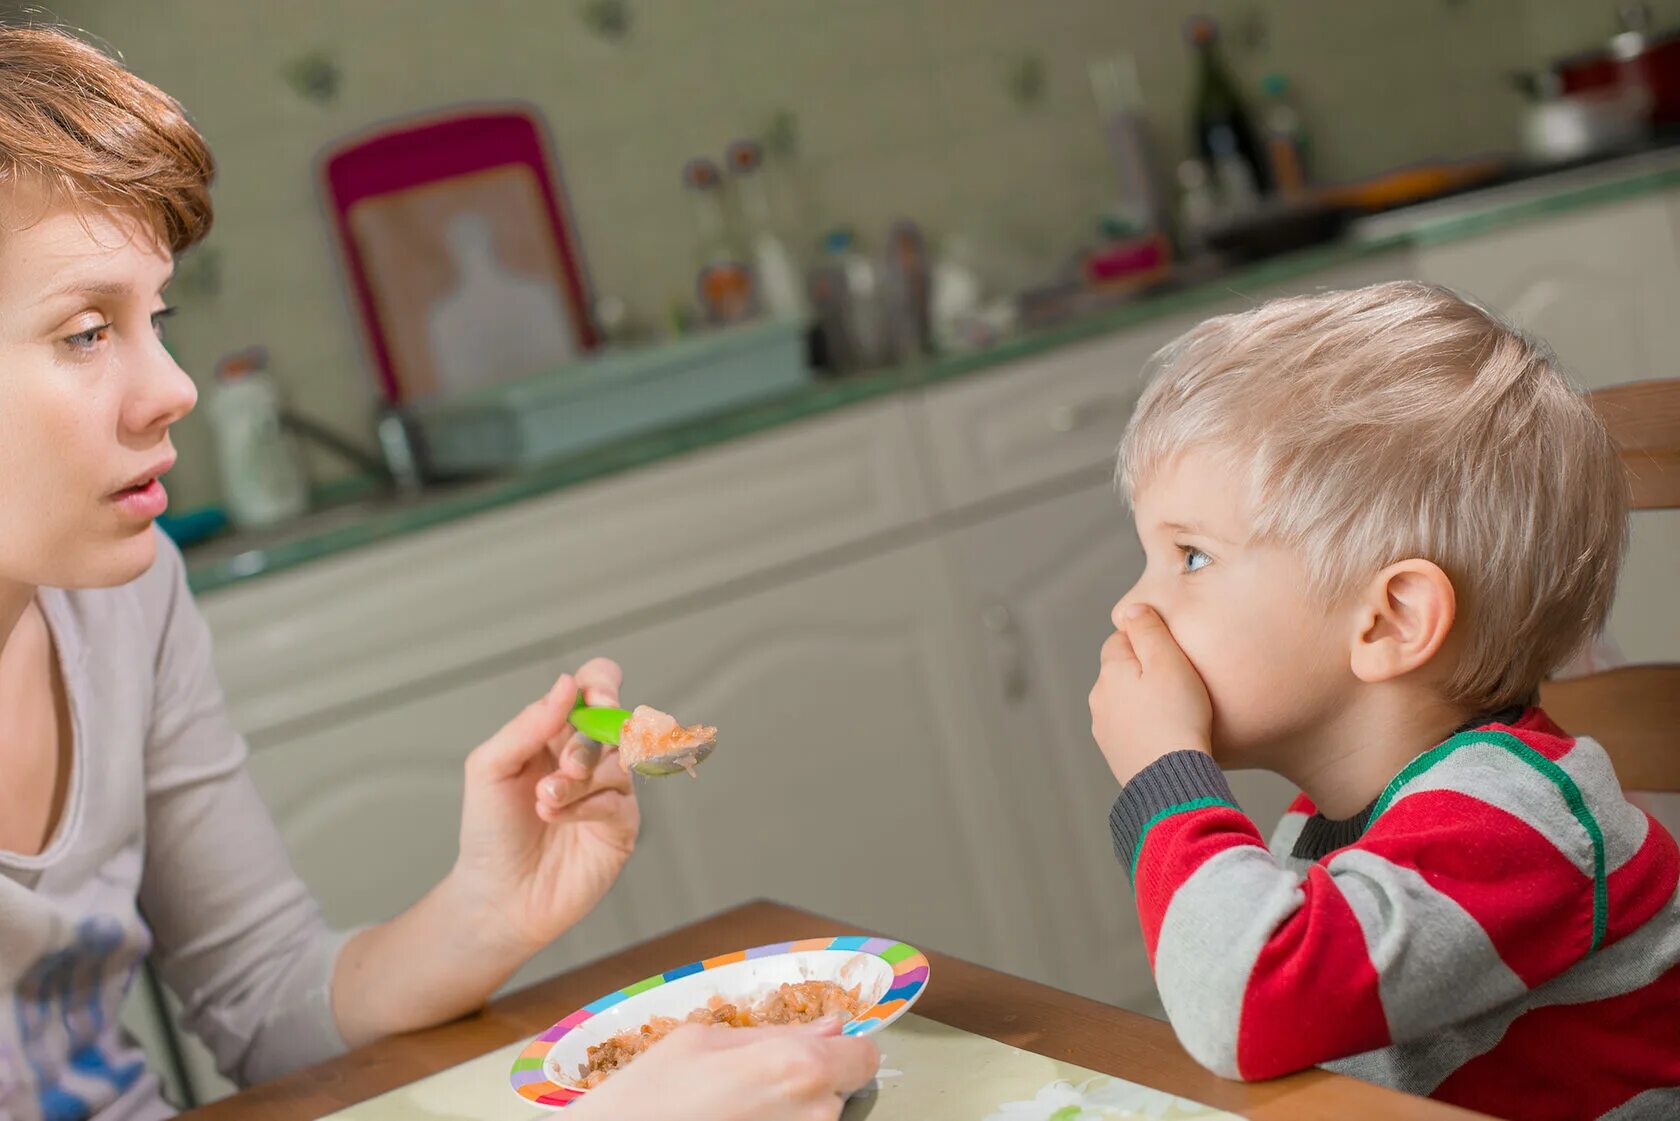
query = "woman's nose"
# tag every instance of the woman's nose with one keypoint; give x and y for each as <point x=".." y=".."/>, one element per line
<point x="163" y="394"/>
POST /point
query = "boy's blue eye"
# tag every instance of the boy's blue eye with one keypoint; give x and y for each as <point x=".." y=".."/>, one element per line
<point x="1194" y="559"/>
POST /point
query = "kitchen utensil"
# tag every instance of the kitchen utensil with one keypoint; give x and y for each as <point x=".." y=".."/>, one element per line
<point x="1578" y="125"/>
<point x="1560" y="126"/>
<point x="890" y="977"/>
<point x="1276" y="227"/>
<point x="1636" y="60"/>
<point x="1416" y="183"/>
<point x="605" y="725"/>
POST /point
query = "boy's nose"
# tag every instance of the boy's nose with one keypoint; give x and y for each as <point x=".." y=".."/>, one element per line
<point x="1119" y="612"/>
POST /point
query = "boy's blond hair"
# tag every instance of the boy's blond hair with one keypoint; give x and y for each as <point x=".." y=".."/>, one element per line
<point x="1398" y="421"/>
<point x="77" y="126"/>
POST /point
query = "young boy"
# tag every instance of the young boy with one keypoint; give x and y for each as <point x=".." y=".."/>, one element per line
<point x="1374" y="521"/>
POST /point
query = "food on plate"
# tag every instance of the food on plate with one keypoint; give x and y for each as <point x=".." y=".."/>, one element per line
<point x="653" y="735"/>
<point x="800" y="1002"/>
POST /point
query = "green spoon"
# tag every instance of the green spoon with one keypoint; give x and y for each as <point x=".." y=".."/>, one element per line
<point x="606" y="725"/>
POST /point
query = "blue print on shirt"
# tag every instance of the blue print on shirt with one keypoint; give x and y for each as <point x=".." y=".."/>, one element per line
<point x="60" y="1011"/>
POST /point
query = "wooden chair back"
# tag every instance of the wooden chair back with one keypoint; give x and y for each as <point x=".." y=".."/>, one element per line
<point x="1634" y="711"/>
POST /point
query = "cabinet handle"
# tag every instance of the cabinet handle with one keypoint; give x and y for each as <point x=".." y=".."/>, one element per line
<point x="1064" y="418"/>
<point x="1070" y="416"/>
<point x="1013" y="679"/>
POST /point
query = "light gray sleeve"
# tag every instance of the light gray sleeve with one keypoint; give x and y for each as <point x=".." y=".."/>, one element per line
<point x="238" y="937"/>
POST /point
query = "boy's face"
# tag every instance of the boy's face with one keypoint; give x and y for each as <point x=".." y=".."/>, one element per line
<point x="87" y="395"/>
<point x="1270" y="653"/>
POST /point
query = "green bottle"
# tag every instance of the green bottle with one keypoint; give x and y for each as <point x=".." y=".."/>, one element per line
<point x="1224" y="133"/>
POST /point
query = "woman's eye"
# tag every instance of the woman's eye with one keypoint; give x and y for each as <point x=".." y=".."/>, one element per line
<point x="1194" y="559"/>
<point x="87" y="340"/>
<point x="158" y="318"/>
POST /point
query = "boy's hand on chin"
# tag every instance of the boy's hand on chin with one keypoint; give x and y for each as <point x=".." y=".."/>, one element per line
<point x="1148" y="700"/>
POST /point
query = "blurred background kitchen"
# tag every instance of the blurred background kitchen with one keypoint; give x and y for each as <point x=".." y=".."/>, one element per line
<point x="779" y="349"/>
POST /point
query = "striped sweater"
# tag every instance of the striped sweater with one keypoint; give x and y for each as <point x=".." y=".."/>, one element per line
<point x="1500" y="929"/>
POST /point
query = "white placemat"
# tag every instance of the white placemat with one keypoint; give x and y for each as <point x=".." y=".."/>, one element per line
<point x="929" y="1072"/>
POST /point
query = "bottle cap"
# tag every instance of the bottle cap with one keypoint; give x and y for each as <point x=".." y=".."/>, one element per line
<point x="241" y="362"/>
<point x="700" y="174"/>
<point x="744" y="156"/>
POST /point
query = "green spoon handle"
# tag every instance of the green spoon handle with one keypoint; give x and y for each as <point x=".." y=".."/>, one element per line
<point x="602" y="725"/>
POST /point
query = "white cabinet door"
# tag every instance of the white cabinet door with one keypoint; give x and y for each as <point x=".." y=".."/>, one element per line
<point x="851" y="777"/>
<point x="370" y="808"/>
<point x="1042" y="582"/>
<point x="1602" y="287"/>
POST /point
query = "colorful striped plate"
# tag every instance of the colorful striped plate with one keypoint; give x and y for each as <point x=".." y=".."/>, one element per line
<point x="890" y="977"/>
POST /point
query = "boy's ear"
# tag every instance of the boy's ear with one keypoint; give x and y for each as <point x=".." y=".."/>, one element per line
<point x="1404" y="616"/>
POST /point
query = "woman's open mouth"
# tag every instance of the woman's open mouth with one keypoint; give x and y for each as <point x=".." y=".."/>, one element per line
<point x="144" y="501"/>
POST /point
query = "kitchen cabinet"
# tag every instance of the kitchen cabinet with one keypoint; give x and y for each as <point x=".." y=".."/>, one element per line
<point x="154" y="1024"/>
<point x="998" y="435"/>
<point x="306" y="647"/>
<point x="1602" y="287"/>
<point x="854" y="775"/>
<point x="150" y="1024"/>
<point x="1040" y="583"/>
<point x="370" y="808"/>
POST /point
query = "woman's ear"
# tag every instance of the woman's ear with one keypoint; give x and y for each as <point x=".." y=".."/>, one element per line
<point x="1404" y="616"/>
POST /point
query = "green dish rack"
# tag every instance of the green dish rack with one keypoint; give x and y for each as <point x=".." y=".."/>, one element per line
<point x="598" y="400"/>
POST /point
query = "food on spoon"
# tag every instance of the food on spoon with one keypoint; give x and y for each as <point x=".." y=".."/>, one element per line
<point x="653" y="735"/>
<point x="797" y="1003"/>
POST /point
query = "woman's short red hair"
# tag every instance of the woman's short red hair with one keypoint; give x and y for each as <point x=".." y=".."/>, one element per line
<point x="77" y="124"/>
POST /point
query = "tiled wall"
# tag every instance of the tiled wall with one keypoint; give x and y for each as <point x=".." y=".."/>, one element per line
<point x="903" y="107"/>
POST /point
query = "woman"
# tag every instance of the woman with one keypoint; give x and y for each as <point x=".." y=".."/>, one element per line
<point x="128" y="825"/>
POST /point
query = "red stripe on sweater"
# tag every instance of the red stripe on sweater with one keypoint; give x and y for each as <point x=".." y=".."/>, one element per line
<point x="1536" y="729"/>
<point x="1173" y="849"/>
<point x="1313" y="992"/>
<point x="1639" y="888"/>
<point x="1302" y="805"/>
<point x="1508" y="876"/>
<point x="1572" y="1061"/>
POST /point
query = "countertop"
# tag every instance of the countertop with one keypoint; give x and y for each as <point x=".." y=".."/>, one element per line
<point x="370" y="516"/>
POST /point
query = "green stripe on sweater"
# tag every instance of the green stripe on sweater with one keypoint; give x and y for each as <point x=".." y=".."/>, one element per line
<point x="1571" y="793"/>
<point x="1177" y="808"/>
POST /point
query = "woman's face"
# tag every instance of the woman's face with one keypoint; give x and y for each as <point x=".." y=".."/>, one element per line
<point x="87" y="395"/>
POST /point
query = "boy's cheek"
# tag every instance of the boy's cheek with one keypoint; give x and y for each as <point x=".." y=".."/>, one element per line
<point x="1204" y="650"/>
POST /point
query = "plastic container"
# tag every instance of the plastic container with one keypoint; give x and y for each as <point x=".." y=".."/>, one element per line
<point x="1131" y="148"/>
<point x="1285" y="138"/>
<point x="906" y="294"/>
<point x="865" y="321"/>
<point x="599" y="400"/>
<point x="780" y="292"/>
<point x="262" y="477"/>
<point x="724" y="284"/>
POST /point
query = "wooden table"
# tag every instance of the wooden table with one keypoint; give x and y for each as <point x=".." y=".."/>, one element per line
<point x="1026" y="1015"/>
